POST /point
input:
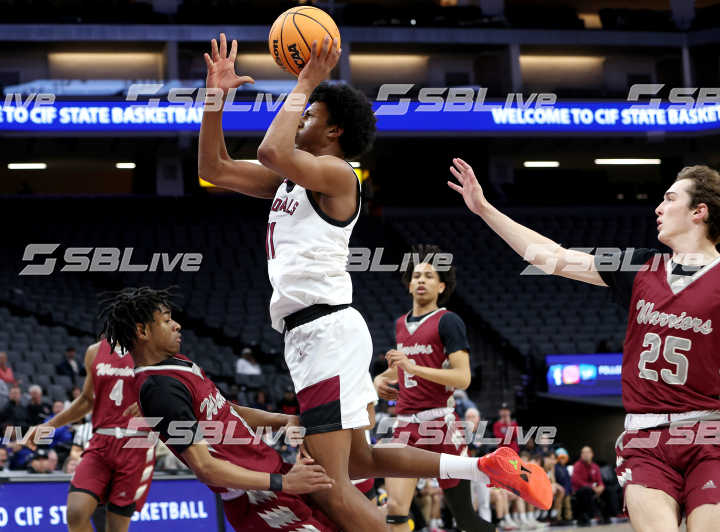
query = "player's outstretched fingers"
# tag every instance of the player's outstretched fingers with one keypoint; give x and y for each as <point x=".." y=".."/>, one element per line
<point x="223" y="46"/>
<point x="455" y="187"/>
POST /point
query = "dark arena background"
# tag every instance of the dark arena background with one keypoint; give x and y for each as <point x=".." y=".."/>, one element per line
<point x="100" y="190"/>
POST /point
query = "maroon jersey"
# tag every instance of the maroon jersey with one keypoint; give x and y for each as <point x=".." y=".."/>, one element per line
<point x="427" y="340"/>
<point x="113" y="386"/>
<point x="671" y="355"/>
<point x="178" y="390"/>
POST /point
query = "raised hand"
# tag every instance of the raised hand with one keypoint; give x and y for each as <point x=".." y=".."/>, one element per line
<point x="469" y="187"/>
<point x="321" y="62"/>
<point x="304" y="477"/>
<point x="221" y="67"/>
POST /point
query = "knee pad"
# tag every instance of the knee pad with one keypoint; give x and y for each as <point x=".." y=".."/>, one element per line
<point x="396" y="519"/>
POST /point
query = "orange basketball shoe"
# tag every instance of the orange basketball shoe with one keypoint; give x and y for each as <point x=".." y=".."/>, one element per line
<point x="529" y="481"/>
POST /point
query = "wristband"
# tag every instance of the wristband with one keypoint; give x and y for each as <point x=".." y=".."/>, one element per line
<point x="276" y="482"/>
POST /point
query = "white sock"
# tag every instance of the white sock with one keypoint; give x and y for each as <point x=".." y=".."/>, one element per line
<point x="529" y="517"/>
<point x="553" y="513"/>
<point x="461" y="467"/>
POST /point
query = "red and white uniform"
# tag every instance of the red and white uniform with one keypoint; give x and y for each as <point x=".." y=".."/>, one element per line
<point x="328" y="354"/>
<point x="237" y="444"/>
<point x="426" y="415"/>
<point x="671" y="374"/>
<point x="109" y="471"/>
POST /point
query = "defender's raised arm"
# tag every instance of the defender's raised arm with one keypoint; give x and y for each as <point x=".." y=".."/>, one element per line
<point x="535" y="248"/>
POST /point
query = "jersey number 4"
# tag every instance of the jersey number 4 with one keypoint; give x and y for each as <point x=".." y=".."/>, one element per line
<point x="269" y="244"/>
<point x="116" y="394"/>
<point x="671" y="353"/>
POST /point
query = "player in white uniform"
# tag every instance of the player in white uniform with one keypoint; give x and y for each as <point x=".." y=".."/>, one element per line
<point x="328" y="349"/>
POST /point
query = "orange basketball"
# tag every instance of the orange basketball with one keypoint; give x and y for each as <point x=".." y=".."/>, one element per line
<point x="293" y="33"/>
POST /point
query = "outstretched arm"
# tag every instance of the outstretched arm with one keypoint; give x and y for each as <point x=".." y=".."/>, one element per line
<point x="214" y="162"/>
<point x="304" y="477"/>
<point x="535" y="248"/>
<point x="81" y="406"/>
<point x="326" y="174"/>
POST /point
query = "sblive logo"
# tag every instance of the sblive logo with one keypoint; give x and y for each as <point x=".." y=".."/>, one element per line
<point x="103" y="259"/>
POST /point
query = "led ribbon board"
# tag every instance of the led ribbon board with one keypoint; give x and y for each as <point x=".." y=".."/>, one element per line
<point x="254" y="117"/>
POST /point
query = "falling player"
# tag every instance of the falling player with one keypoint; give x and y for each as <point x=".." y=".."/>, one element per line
<point x="171" y="388"/>
<point x="670" y="348"/>
<point x="431" y="360"/>
<point x="109" y="473"/>
<point x="328" y="348"/>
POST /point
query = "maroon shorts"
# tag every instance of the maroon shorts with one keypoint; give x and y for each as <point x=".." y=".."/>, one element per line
<point x="682" y="461"/>
<point x="436" y="436"/>
<point x="114" y="475"/>
<point x="278" y="512"/>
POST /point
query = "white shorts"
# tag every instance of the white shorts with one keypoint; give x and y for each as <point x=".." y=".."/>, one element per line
<point x="329" y="362"/>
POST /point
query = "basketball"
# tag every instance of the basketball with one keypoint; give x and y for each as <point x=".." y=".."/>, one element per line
<point x="293" y="33"/>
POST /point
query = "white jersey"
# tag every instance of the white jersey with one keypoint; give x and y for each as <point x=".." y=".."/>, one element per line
<point x="307" y="254"/>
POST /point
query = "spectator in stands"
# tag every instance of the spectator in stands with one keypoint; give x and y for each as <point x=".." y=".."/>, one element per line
<point x="261" y="402"/>
<point x="549" y="461"/>
<point x="289" y="404"/>
<point x="4" y="462"/>
<point x="246" y="364"/>
<point x="39" y="461"/>
<point x="472" y="422"/>
<point x="6" y="372"/>
<point x="504" y="425"/>
<point x="499" y="500"/>
<point x="589" y="488"/>
<point x="71" y="464"/>
<point x="52" y="461"/>
<point x="15" y="412"/>
<point x="73" y="394"/>
<point x="63" y="436"/>
<point x="71" y="367"/>
<point x="431" y="502"/>
<point x="562" y="477"/>
<point x="462" y="403"/>
<point x="38" y="409"/>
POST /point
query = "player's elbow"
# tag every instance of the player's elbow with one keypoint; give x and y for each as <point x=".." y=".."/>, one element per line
<point x="464" y="383"/>
<point x="267" y="154"/>
<point x="204" y="471"/>
<point x="209" y="169"/>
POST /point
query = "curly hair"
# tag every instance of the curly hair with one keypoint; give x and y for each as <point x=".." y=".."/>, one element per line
<point x="425" y="253"/>
<point x="349" y="109"/>
<point x="706" y="189"/>
<point x="121" y="311"/>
